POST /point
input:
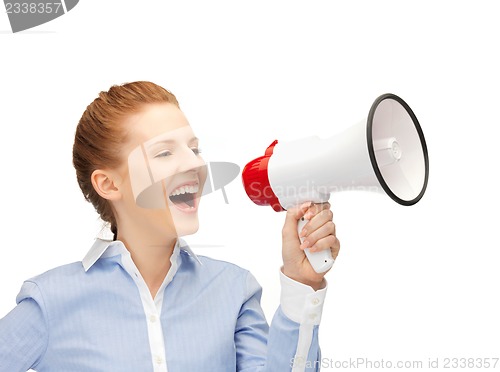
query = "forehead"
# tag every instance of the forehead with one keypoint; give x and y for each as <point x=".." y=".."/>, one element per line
<point x="156" y="121"/>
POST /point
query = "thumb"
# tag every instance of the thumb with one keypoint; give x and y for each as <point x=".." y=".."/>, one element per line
<point x="293" y="215"/>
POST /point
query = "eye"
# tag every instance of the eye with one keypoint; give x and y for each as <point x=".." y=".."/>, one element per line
<point x="196" y="150"/>
<point x="163" y="154"/>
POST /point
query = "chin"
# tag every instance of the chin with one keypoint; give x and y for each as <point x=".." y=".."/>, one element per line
<point x="187" y="231"/>
<point x="185" y="225"/>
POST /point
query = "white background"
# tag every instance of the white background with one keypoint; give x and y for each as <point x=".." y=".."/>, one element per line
<point x="411" y="283"/>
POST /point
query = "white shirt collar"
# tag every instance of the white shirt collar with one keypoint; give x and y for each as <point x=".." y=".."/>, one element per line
<point x="103" y="247"/>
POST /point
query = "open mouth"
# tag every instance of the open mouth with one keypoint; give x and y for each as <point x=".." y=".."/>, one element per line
<point x="184" y="197"/>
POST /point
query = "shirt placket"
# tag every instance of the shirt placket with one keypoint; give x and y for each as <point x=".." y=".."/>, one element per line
<point x="153" y="319"/>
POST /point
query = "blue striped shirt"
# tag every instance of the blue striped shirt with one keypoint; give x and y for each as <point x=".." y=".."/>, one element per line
<point x="98" y="315"/>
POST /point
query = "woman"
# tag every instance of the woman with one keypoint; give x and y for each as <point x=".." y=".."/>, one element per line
<point x="143" y="301"/>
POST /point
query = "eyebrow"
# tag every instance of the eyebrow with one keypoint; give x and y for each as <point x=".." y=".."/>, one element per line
<point x="193" y="139"/>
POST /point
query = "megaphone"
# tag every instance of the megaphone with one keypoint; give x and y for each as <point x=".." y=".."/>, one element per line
<point x="385" y="153"/>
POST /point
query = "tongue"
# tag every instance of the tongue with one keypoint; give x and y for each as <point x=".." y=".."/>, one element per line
<point x="185" y="201"/>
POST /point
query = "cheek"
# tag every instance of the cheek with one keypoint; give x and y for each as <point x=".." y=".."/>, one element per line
<point x="162" y="170"/>
<point x="127" y="194"/>
<point x="203" y="175"/>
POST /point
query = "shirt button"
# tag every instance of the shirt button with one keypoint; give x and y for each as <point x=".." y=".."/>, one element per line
<point x="312" y="316"/>
<point x="315" y="301"/>
<point x="158" y="359"/>
<point x="152" y="318"/>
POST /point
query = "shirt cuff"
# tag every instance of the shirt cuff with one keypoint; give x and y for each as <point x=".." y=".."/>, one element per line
<point x="299" y="302"/>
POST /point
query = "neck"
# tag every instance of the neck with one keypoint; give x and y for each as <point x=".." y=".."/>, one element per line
<point x="151" y="255"/>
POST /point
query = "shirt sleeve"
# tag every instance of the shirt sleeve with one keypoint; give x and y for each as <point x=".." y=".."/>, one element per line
<point x="291" y="343"/>
<point x="23" y="332"/>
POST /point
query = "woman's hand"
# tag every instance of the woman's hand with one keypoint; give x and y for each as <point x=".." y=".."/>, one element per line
<point x="318" y="234"/>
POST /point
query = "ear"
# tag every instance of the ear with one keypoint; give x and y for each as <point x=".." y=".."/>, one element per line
<point x="106" y="184"/>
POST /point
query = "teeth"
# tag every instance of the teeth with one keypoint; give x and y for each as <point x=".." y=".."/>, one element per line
<point x="185" y="189"/>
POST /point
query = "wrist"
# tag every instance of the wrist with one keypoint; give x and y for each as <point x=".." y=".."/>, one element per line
<point x="314" y="283"/>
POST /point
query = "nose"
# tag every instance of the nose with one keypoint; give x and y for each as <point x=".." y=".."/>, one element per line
<point x="190" y="162"/>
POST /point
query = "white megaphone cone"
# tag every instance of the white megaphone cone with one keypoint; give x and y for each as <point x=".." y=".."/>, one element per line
<point x="384" y="153"/>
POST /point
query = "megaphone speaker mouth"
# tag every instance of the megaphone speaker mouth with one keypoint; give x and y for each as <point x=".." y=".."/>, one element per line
<point x="397" y="149"/>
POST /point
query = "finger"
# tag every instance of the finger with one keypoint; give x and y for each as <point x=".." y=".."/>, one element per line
<point x="323" y="231"/>
<point x="292" y="216"/>
<point x="316" y="222"/>
<point x="316" y="208"/>
<point x="330" y="242"/>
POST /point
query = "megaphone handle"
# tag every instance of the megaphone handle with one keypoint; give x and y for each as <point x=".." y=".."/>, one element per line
<point x="320" y="261"/>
